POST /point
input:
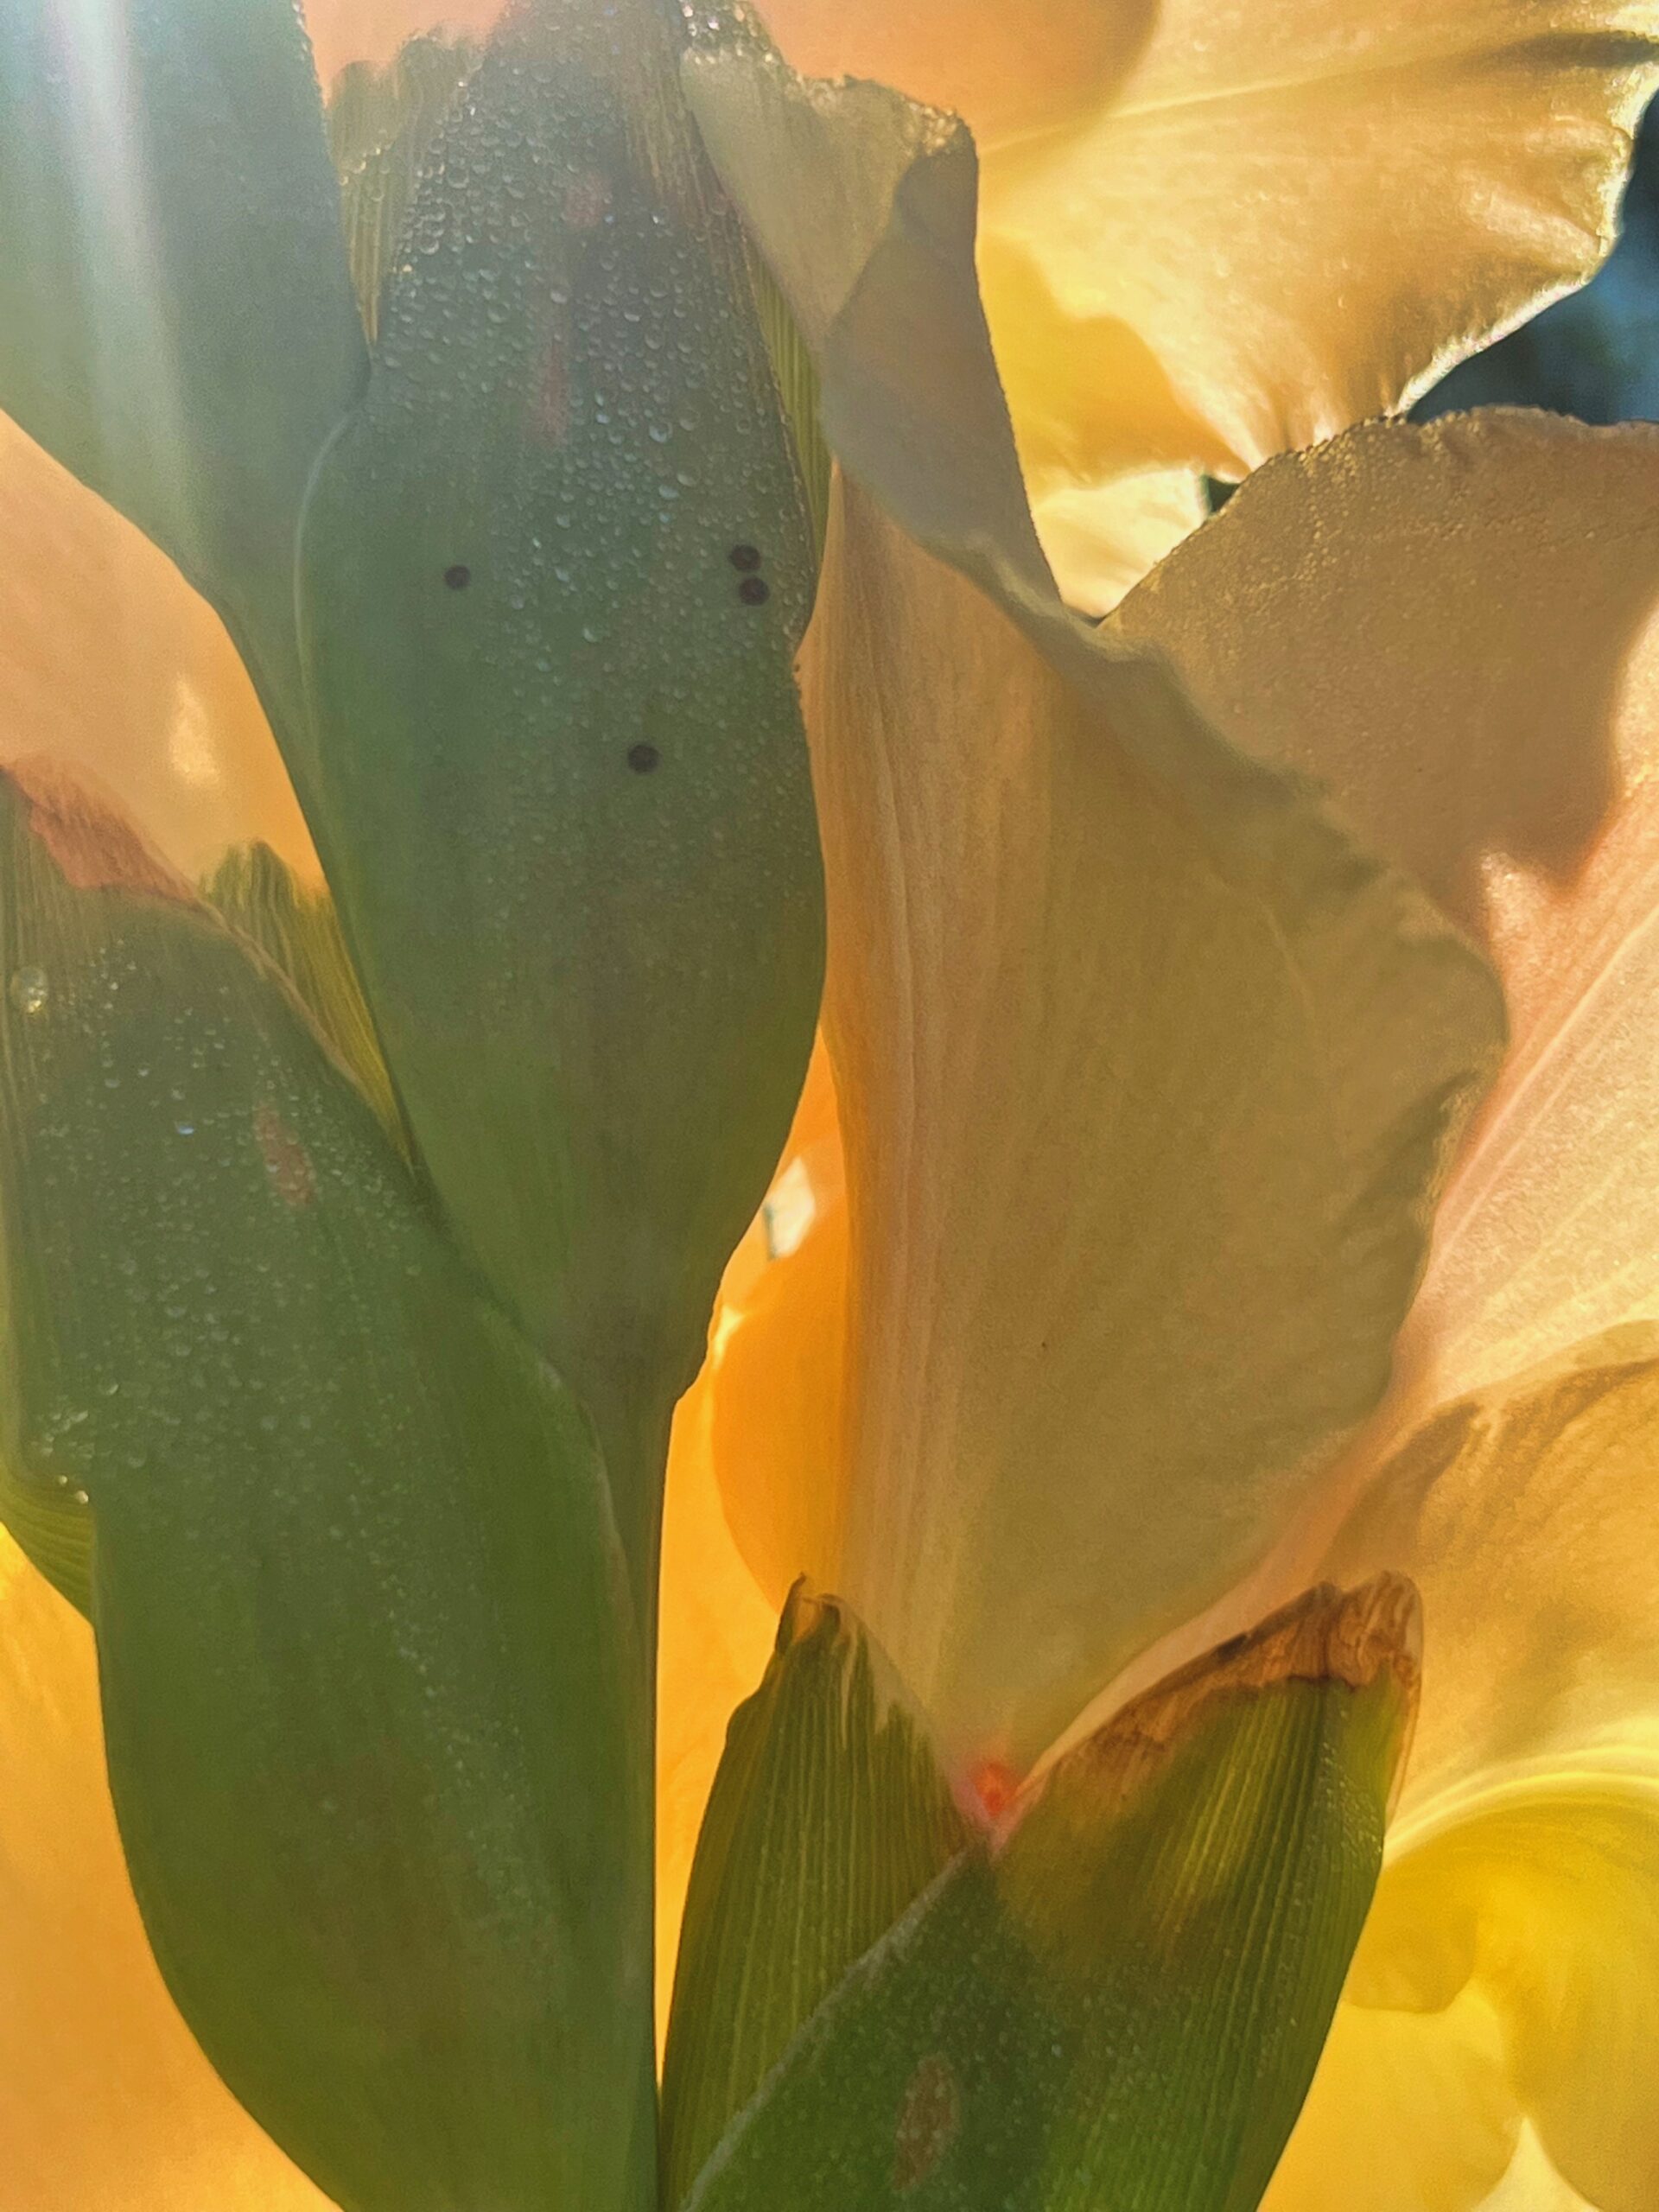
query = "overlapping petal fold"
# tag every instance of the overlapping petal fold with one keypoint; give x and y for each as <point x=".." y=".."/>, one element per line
<point x="1529" y="1514"/>
<point x="1465" y="654"/>
<point x="1513" y="1946"/>
<point x="1507" y="760"/>
<point x="1145" y="1067"/>
<point x="1164" y="285"/>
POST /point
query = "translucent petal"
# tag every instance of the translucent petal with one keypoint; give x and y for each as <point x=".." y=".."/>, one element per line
<point x="1526" y="1858"/>
<point x="1167" y="285"/>
<point x="1409" y="2112"/>
<point x="1468" y="159"/>
<point x="1533" y="2184"/>
<point x="1502" y="569"/>
<point x="1546" y="1903"/>
<point x="109" y="662"/>
<point x="1142" y="1068"/>
<point x="1005" y="70"/>
<point x="1528" y="1515"/>
<point x="1102" y="539"/>
<point x="105" y="2103"/>
<point x="777" y="1351"/>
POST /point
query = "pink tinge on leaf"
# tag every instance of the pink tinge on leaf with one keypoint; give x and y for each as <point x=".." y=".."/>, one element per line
<point x="553" y="398"/>
<point x="930" y="2120"/>
<point x="286" y="1161"/>
<point x="587" y="201"/>
<point x="986" y="1791"/>
<point x="95" y="848"/>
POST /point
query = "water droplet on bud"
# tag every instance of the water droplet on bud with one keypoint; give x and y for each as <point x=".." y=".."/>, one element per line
<point x="30" y="990"/>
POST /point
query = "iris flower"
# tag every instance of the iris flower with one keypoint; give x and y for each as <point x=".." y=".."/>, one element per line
<point x="1065" y="1343"/>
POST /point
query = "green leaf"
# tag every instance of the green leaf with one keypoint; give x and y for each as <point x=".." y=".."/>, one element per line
<point x="381" y="126"/>
<point x="829" y="1816"/>
<point x="299" y="933"/>
<point x="552" y="575"/>
<point x="176" y="322"/>
<point x="52" y="1526"/>
<point x="1120" y="2004"/>
<point x="370" y="1690"/>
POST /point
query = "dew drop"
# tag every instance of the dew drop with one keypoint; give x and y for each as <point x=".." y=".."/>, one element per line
<point x="30" y="990"/>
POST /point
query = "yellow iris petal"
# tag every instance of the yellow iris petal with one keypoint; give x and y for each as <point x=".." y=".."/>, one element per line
<point x="111" y="664"/>
<point x="717" y="1631"/>
<point x="1004" y="70"/>
<point x="778" y="1357"/>
<point x="1544" y="1905"/>
<point x="1102" y="538"/>
<point x="1469" y="156"/>
<point x="1409" y="2112"/>
<point x="1214" y="232"/>
<point x="1533" y="2183"/>
<point x="105" y="2103"/>
<point x="1524" y="1881"/>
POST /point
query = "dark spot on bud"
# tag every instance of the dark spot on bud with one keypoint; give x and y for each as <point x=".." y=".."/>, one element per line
<point x="642" y="758"/>
<point x="745" y="559"/>
<point x="458" y="576"/>
<point x="755" y="591"/>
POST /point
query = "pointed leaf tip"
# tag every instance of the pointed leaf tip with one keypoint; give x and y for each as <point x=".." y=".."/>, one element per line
<point x="829" y="1816"/>
<point x="91" y="844"/>
<point x="176" y="321"/>
<point x="369" y="1681"/>
<point x="1121" y="1999"/>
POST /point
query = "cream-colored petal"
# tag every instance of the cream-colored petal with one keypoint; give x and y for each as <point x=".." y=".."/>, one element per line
<point x="1545" y="1900"/>
<point x="1533" y="2184"/>
<point x="1216" y="229"/>
<point x="1525" y="1860"/>
<point x="1296" y="213"/>
<point x="1102" y="539"/>
<point x="105" y="2103"/>
<point x="1142" y="1065"/>
<point x="1007" y="70"/>
<point x="1464" y="648"/>
<point x="110" y="662"/>
<point x="1409" y="2112"/>
<point x="1528" y="1516"/>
